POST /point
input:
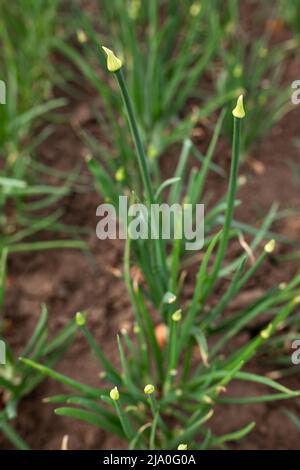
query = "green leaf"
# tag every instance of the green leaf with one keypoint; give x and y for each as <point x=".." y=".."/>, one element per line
<point x="90" y="418"/>
<point x="85" y="389"/>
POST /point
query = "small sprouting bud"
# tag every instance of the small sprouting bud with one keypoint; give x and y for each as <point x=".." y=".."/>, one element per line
<point x="120" y="174"/>
<point x="173" y="372"/>
<point x="178" y="392"/>
<point x="238" y="71"/>
<point x="136" y="329"/>
<point x="239" y="111"/>
<point x="177" y="315"/>
<point x="114" y="394"/>
<point x="81" y="36"/>
<point x="152" y="151"/>
<point x="296" y="300"/>
<point x="149" y="389"/>
<point x="242" y="180"/>
<point x="133" y="9"/>
<point x="113" y="62"/>
<point x="266" y="333"/>
<point x="282" y="285"/>
<point x="182" y="447"/>
<point x="80" y="319"/>
<point x="195" y="9"/>
<point x="270" y="246"/>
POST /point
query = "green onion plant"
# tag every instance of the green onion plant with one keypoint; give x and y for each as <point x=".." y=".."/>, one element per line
<point x="169" y="47"/>
<point x="256" y="67"/>
<point x="162" y="394"/>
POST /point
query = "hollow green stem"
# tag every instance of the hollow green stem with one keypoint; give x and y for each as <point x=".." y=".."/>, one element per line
<point x="144" y="170"/>
<point x="142" y="161"/>
<point x="156" y="415"/>
<point x="172" y="353"/>
<point x="123" y="420"/>
<point x="230" y="207"/>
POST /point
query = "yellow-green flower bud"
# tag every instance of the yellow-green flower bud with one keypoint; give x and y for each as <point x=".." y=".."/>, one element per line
<point x="81" y="36"/>
<point x="120" y="174"/>
<point x="80" y="319"/>
<point x="242" y="180"/>
<point x="149" y="389"/>
<point x="282" y="285"/>
<point x="133" y="9"/>
<point x="238" y="71"/>
<point x="113" y="62"/>
<point x="152" y="152"/>
<point x="270" y="246"/>
<point x="182" y="447"/>
<point x="239" y="111"/>
<point x="195" y="9"/>
<point x="177" y="315"/>
<point x="114" y="394"/>
<point x="266" y="333"/>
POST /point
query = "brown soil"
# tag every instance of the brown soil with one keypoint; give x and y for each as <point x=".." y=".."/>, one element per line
<point x="67" y="282"/>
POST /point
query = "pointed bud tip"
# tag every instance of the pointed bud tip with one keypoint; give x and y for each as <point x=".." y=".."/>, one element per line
<point x="120" y="174"/>
<point x="114" y="394"/>
<point x="177" y="315"/>
<point x="266" y="333"/>
<point x="81" y="36"/>
<point x="80" y="319"/>
<point x="113" y="62"/>
<point x="239" y="111"/>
